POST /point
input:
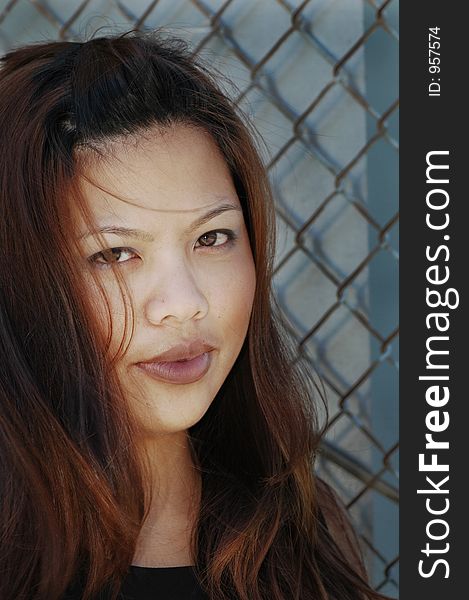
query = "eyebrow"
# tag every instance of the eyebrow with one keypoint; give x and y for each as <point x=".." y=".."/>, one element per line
<point x="144" y="236"/>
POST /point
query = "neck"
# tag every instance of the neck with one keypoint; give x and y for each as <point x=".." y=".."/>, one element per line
<point x="175" y="479"/>
<point x="175" y="496"/>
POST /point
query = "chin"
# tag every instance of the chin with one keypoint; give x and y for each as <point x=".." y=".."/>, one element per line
<point x="168" y="408"/>
<point x="172" y="416"/>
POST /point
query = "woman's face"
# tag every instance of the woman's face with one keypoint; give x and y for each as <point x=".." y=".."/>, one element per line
<point x="188" y="280"/>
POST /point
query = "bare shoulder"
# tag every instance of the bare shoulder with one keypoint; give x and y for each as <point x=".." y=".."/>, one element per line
<point x="339" y="526"/>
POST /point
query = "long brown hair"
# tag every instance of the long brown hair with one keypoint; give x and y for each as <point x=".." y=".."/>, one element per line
<point x="72" y="488"/>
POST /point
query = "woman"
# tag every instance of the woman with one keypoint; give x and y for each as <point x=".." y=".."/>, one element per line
<point x="154" y="437"/>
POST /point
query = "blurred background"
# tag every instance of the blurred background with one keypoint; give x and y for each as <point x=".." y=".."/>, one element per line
<point x="319" y="80"/>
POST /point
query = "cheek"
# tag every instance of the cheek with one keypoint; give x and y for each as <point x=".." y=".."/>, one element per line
<point x="232" y="295"/>
<point x="109" y="308"/>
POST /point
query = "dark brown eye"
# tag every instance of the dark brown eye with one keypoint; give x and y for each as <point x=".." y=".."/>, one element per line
<point x="210" y="238"/>
<point x="111" y="255"/>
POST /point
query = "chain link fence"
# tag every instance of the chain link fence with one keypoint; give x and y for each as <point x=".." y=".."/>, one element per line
<point x="319" y="80"/>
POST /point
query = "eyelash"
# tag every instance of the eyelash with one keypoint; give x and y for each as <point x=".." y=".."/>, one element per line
<point x="229" y="242"/>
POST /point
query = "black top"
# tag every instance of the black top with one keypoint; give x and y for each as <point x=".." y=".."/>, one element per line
<point x="161" y="583"/>
<point x="150" y="583"/>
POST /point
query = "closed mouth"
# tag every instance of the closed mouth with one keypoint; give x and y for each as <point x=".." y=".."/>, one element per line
<point x="182" y="371"/>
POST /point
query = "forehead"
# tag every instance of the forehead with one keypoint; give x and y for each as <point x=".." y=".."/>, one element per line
<point x="179" y="171"/>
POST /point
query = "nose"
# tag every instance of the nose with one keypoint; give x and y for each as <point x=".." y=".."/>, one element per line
<point x="176" y="295"/>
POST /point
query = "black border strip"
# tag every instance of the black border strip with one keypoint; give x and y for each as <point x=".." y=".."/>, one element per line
<point x="433" y="123"/>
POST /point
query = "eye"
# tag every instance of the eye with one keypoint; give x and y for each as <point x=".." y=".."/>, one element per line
<point x="208" y="239"/>
<point x="108" y="256"/>
<point x="103" y="259"/>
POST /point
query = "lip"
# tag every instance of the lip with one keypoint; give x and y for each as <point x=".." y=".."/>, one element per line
<point x="179" y="372"/>
<point x="186" y="350"/>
